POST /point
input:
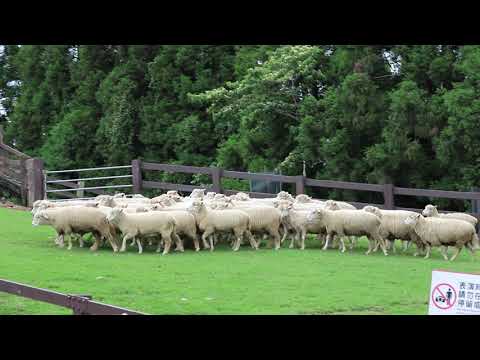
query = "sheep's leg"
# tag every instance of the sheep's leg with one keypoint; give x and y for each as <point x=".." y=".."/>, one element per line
<point x="133" y="242"/>
<point x="353" y="240"/>
<point x="239" y="236"/>
<point x="124" y="242"/>
<point x="329" y="237"/>
<point x="443" y="250"/>
<point x="406" y="245"/>
<point x="168" y="242"/>
<point x="205" y="244"/>
<point x="379" y="239"/>
<point x="195" y="241"/>
<point x="80" y="241"/>
<point x="370" y="246"/>
<point x="205" y="235"/>
<point x="285" y="233"/>
<point x="253" y="243"/>
<point x="303" y="236"/>
<point x="377" y="244"/>
<point x="112" y="241"/>
<point x="159" y="246"/>
<point x="456" y="252"/>
<point x="69" y="242"/>
<point x="391" y="245"/>
<point x="471" y="249"/>
<point x="342" y="245"/>
<point x="61" y="241"/>
<point x="428" y="251"/>
<point x="179" y="243"/>
<point x="292" y="239"/>
<point x="139" y="243"/>
<point x="96" y="243"/>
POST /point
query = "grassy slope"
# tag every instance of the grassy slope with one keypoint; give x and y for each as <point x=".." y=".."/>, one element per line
<point x="223" y="282"/>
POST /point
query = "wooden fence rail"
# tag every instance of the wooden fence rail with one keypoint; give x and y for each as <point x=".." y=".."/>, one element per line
<point x="80" y="304"/>
<point x="389" y="191"/>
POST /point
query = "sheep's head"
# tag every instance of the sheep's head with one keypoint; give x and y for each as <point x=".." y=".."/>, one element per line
<point x="198" y="193"/>
<point x="196" y="206"/>
<point x="412" y="219"/>
<point x="173" y="194"/>
<point x="219" y="197"/>
<point x="315" y="215"/>
<point x="284" y="206"/>
<point x="374" y="210"/>
<point x="210" y="195"/>
<point x="105" y="200"/>
<point x="119" y="195"/>
<point x="114" y="214"/>
<point x="40" y="205"/>
<point x="241" y="196"/>
<point x="302" y="198"/>
<point x="430" y="210"/>
<point x="331" y="205"/>
<point x="283" y="195"/>
<point x="40" y="218"/>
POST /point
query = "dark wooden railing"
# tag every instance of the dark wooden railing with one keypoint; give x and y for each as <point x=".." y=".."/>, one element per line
<point x="80" y="304"/>
<point x="389" y="191"/>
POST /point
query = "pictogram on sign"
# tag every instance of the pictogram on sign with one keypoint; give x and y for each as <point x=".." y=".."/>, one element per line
<point x="444" y="296"/>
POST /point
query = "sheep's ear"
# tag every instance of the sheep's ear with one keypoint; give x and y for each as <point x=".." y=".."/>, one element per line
<point x="45" y="216"/>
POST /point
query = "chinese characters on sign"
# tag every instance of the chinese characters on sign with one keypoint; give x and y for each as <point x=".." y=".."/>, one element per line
<point x="454" y="293"/>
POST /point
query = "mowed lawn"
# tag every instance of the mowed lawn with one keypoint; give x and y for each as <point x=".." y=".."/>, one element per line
<point x="288" y="281"/>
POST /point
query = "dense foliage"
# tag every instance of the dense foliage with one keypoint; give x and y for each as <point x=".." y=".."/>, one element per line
<point x="384" y="113"/>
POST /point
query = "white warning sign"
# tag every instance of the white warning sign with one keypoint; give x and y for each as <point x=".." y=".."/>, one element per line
<point x="454" y="293"/>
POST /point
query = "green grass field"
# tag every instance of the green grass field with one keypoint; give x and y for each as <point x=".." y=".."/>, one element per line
<point x="247" y="282"/>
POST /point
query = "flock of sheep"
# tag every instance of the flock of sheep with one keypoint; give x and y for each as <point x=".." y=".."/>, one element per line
<point x="172" y="218"/>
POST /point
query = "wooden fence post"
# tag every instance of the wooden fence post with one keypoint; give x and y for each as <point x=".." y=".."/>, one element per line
<point x="217" y="180"/>
<point x="300" y="185"/>
<point x="476" y="206"/>
<point x="81" y="193"/>
<point x="34" y="181"/>
<point x="389" y="201"/>
<point x="137" y="176"/>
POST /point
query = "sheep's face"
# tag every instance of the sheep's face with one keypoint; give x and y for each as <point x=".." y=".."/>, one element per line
<point x="374" y="210"/>
<point x="331" y="205"/>
<point x="429" y="210"/>
<point x="114" y="214"/>
<point x="219" y="197"/>
<point x="303" y="198"/>
<point x="284" y="207"/>
<point x="210" y="195"/>
<point x="40" y="218"/>
<point x="283" y="195"/>
<point x="314" y="215"/>
<point x="412" y="220"/>
<point x="241" y="196"/>
<point x="195" y="207"/>
<point x="119" y="195"/>
<point x="198" y="193"/>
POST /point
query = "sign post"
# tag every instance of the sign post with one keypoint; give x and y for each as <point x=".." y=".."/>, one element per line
<point x="454" y="293"/>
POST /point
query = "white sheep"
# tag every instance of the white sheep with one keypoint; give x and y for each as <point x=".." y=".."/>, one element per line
<point x="349" y="223"/>
<point x="298" y="222"/>
<point x="431" y="211"/>
<point x="393" y="227"/>
<point x="185" y="224"/>
<point x="133" y="226"/>
<point x="78" y="220"/>
<point x="173" y="194"/>
<point x="197" y="194"/>
<point x="435" y="231"/>
<point x="210" y="221"/>
<point x="264" y="220"/>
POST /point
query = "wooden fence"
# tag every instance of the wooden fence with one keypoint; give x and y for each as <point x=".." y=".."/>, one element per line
<point x="389" y="191"/>
<point x="80" y="304"/>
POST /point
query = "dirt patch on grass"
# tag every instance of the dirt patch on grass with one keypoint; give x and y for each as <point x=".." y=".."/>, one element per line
<point x="10" y="205"/>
